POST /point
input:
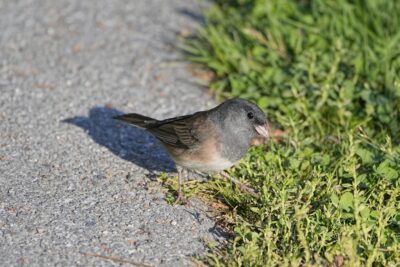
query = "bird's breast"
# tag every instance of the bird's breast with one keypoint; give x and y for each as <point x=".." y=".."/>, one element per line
<point x="206" y="157"/>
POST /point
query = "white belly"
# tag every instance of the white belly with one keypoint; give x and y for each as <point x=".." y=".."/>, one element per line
<point x="215" y="165"/>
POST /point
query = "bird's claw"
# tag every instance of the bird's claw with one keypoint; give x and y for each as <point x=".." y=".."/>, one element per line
<point x="180" y="198"/>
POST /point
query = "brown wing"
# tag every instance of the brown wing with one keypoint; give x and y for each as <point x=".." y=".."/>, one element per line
<point x="180" y="132"/>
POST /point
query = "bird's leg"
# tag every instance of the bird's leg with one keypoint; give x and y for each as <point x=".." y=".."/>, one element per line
<point x="241" y="185"/>
<point x="180" y="195"/>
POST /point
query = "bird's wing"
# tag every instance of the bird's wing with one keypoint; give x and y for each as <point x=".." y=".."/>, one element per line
<point x="179" y="132"/>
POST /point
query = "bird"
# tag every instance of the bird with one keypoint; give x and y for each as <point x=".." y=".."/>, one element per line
<point x="209" y="141"/>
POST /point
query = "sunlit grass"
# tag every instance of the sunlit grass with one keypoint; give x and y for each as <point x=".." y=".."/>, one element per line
<point x="328" y="73"/>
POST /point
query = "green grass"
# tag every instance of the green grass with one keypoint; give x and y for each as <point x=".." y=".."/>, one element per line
<point x="328" y="73"/>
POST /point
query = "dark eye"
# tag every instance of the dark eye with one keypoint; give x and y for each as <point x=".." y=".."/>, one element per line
<point x="250" y="115"/>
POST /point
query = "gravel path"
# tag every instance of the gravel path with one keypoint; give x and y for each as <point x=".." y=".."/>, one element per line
<point x="73" y="183"/>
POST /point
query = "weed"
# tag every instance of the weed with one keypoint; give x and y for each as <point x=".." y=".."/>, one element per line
<point x="327" y="73"/>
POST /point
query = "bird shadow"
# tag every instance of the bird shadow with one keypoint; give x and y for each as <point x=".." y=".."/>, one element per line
<point x="132" y="144"/>
<point x="129" y="143"/>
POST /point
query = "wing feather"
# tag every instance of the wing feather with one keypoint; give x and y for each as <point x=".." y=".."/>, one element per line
<point x="179" y="132"/>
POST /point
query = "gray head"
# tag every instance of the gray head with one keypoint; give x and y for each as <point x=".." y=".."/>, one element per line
<point x="239" y="121"/>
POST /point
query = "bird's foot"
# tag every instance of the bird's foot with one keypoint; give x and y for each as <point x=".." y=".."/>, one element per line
<point x="248" y="189"/>
<point x="180" y="199"/>
<point x="242" y="186"/>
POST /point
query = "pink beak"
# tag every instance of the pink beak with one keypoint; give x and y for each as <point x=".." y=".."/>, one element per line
<point x="262" y="130"/>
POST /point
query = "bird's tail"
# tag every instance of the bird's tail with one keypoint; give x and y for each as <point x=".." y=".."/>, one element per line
<point x="137" y="120"/>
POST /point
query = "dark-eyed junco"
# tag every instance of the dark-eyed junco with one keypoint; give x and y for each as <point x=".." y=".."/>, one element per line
<point x="206" y="141"/>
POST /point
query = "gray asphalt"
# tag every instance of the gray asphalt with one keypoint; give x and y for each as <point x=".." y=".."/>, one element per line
<point x="75" y="186"/>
